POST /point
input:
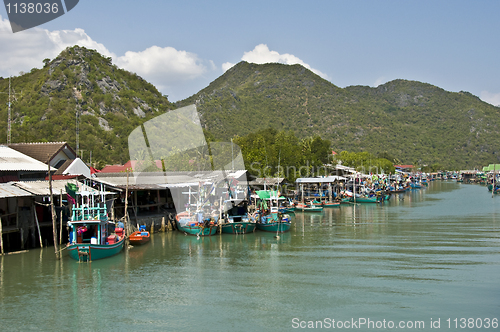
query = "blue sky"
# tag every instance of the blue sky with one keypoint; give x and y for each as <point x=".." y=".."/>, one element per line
<point x="181" y="46"/>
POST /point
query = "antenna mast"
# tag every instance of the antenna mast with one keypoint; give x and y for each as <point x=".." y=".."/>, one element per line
<point x="9" y="121"/>
<point x="8" y="118"/>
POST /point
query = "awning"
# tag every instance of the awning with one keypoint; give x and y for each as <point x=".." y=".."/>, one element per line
<point x="327" y="179"/>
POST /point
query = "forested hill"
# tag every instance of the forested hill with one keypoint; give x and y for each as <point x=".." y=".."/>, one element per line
<point x="109" y="101"/>
<point x="415" y="122"/>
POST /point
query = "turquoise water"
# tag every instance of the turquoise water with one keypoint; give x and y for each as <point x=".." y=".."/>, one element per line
<point x="424" y="257"/>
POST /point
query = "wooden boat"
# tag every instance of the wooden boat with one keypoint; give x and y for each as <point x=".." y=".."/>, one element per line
<point x="196" y="224"/>
<point x="274" y="222"/>
<point x="331" y="204"/>
<point x="414" y="185"/>
<point x="290" y="209"/>
<point x="237" y="220"/>
<point x="316" y="203"/>
<point x="308" y="208"/>
<point x="364" y="199"/>
<point x="140" y="237"/>
<point x="269" y="219"/>
<point x="398" y="191"/>
<point x="92" y="236"/>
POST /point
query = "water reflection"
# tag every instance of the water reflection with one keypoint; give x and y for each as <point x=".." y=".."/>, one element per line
<point x="426" y="253"/>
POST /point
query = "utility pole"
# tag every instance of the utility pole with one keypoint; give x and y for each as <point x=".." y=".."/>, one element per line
<point x="9" y="104"/>
<point x="8" y="118"/>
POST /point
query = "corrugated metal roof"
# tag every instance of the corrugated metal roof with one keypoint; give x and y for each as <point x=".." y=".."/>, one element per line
<point x="158" y="180"/>
<point x="12" y="160"/>
<point x="41" y="188"/>
<point x="9" y="190"/>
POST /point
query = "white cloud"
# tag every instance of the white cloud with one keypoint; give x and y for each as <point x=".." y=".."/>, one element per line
<point x="491" y="98"/>
<point x="170" y="70"/>
<point x="261" y="54"/>
<point x="164" y="66"/>
<point x="24" y="50"/>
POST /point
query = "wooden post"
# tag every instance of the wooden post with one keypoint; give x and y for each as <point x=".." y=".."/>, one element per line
<point x="60" y="218"/>
<point x="158" y="200"/>
<point x="1" y="236"/>
<point x="126" y="207"/>
<point x="53" y="213"/>
<point x="163" y="224"/>
<point x="494" y="184"/>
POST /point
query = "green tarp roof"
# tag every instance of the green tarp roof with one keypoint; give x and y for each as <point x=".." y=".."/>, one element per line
<point x="267" y="194"/>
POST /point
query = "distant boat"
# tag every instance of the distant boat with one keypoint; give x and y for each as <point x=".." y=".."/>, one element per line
<point x="308" y="207"/>
<point x="92" y="236"/>
<point x="331" y="204"/>
<point x="140" y="237"/>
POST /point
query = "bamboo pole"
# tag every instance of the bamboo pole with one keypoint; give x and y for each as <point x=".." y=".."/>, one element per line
<point x="53" y="213"/>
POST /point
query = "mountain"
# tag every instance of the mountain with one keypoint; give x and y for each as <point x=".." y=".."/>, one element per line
<point x="417" y="123"/>
<point x="413" y="122"/>
<point x="109" y="103"/>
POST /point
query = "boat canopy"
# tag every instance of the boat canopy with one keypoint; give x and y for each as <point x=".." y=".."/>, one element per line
<point x="268" y="194"/>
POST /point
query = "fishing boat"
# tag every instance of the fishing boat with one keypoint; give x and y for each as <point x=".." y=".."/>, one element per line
<point x="365" y="199"/>
<point x="308" y="207"/>
<point x="274" y="221"/>
<point x="140" y="237"/>
<point x="415" y="185"/>
<point x="237" y="220"/>
<point x="270" y="219"/>
<point x="91" y="234"/>
<point x="196" y="223"/>
<point x="331" y="204"/>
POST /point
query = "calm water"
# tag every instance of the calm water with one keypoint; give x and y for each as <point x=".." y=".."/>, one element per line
<point x="427" y="255"/>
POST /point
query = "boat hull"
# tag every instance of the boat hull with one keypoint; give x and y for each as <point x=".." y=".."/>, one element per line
<point x="310" y="209"/>
<point x="331" y="204"/>
<point x="197" y="230"/>
<point x="95" y="251"/>
<point x="238" y="227"/>
<point x="137" y="238"/>
<point x="276" y="227"/>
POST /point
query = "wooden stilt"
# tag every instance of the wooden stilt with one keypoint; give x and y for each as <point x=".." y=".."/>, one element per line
<point x="126" y="207"/>
<point x="60" y="218"/>
<point x="163" y="224"/>
<point x="53" y="213"/>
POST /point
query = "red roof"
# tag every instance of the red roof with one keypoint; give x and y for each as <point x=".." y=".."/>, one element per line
<point x="403" y="166"/>
<point x="61" y="177"/>
<point x="123" y="168"/>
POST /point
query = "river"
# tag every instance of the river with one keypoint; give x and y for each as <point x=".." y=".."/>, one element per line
<point x="428" y="257"/>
